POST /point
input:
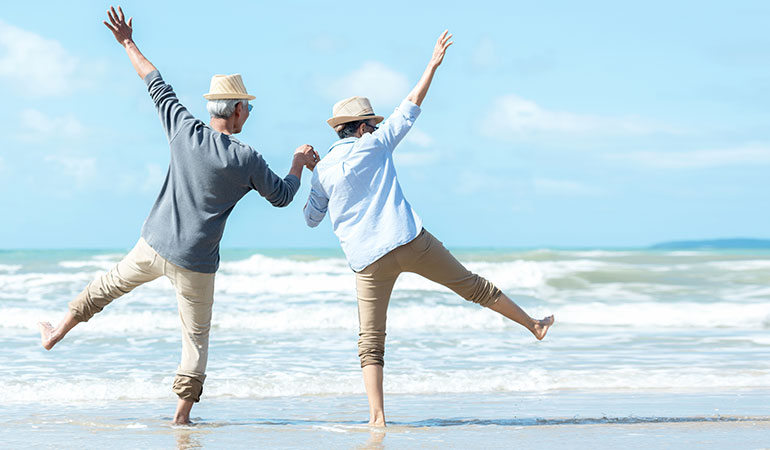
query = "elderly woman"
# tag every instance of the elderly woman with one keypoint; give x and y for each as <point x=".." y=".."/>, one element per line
<point x="380" y="233"/>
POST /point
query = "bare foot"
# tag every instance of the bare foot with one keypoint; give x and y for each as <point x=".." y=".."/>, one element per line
<point x="541" y="327"/>
<point x="377" y="423"/>
<point x="47" y="337"/>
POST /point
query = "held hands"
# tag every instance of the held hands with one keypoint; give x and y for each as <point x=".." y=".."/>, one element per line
<point x="439" y="50"/>
<point x="307" y="156"/>
<point x="119" y="27"/>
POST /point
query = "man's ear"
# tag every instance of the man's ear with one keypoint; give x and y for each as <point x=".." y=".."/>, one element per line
<point x="362" y="128"/>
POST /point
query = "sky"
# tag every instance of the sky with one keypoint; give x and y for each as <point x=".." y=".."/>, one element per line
<point x="549" y="124"/>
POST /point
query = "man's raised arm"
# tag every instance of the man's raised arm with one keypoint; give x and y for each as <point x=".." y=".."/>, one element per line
<point x="123" y="31"/>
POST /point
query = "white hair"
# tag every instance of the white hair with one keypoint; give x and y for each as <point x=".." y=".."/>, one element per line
<point x="222" y="109"/>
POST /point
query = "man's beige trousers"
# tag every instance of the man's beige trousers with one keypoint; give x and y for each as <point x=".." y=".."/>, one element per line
<point x="195" y="297"/>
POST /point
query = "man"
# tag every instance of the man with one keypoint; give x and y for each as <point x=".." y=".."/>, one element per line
<point x="379" y="231"/>
<point x="209" y="172"/>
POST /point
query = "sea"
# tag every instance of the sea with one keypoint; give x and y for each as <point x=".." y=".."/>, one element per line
<point x="650" y="349"/>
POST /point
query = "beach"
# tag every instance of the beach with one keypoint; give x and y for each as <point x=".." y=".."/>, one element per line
<point x="651" y="349"/>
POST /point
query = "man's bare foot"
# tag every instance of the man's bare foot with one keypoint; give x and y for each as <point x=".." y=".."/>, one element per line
<point x="182" y="414"/>
<point x="377" y="423"/>
<point x="541" y="327"/>
<point x="47" y="335"/>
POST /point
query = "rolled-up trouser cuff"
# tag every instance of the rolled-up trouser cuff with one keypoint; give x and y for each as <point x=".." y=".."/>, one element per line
<point x="189" y="388"/>
<point x="371" y="354"/>
<point x="486" y="293"/>
<point x="82" y="308"/>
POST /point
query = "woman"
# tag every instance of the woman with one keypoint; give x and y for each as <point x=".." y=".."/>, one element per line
<point x="379" y="231"/>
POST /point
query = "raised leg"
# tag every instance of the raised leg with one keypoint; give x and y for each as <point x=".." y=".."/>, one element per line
<point x="433" y="261"/>
<point x="136" y="268"/>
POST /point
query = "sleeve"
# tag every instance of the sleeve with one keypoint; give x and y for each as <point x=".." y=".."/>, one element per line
<point x="172" y="113"/>
<point x="278" y="191"/>
<point x="317" y="203"/>
<point x="395" y="127"/>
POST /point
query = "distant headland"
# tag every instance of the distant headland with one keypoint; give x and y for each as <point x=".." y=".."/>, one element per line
<point x="735" y="243"/>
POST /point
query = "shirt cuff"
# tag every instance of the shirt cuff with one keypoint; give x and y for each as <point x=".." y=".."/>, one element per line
<point x="410" y="110"/>
<point x="293" y="181"/>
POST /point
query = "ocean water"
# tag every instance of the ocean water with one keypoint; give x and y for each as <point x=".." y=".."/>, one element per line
<point x="646" y="343"/>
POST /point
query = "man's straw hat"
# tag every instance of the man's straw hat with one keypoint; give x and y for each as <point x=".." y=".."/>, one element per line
<point x="227" y="87"/>
<point x="352" y="109"/>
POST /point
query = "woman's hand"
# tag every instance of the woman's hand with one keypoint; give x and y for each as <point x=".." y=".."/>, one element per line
<point x="439" y="50"/>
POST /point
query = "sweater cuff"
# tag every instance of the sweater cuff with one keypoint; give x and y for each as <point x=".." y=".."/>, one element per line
<point x="152" y="76"/>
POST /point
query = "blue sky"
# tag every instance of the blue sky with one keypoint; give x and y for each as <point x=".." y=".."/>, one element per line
<point x="588" y="124"/>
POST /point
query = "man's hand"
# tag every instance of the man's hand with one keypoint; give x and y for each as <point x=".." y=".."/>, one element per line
<point x="119" y="27"/>
<point x="439" y="50"/>
<point x="123" y="32"/>
<point x="307" y="156"/>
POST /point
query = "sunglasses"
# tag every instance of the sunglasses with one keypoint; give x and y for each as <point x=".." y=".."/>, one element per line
<point x="250" y="107"/>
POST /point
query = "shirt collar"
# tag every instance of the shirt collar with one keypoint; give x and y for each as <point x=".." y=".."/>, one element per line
<point x="347" y="140"/>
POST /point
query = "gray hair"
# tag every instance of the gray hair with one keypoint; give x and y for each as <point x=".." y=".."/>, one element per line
<point x="348" y="129"/>
<point x="222" y="109"/>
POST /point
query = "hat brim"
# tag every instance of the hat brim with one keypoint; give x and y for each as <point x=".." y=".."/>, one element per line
<point x="334" y="121"/>
<point x="228" y="97"/>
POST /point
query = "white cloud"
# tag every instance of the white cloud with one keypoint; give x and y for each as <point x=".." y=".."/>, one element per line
<point x="382" y="85"/>
<point x="35" y="125"/>
<point x="419" y="138"/>
<point x="699" y="159"/>
<point x="550" y="186"/>
<point x="81" y="170"/>
<point x="515" y="117"/>
<point x="35" y="65"/>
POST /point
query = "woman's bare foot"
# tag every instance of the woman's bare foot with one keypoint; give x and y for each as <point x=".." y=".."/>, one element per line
<point x="47" y="335"/>
<point x="377" y="423"/>
<point x="540" y="328"/>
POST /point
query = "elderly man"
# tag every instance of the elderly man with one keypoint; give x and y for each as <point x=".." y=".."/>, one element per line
<point x="209" y="172"/>
<point x="380" y="233"/>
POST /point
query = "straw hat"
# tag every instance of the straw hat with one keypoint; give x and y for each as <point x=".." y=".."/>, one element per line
<point x="352" y="109"/>
<point x="227" y="87"/>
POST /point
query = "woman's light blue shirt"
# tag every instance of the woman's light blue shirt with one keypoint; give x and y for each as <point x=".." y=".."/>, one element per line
<point x="356" y="184"/>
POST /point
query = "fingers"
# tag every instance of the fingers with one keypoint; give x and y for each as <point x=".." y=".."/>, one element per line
<point x="130" y="22"/>
<point x="122" y="17"/>
<point x="113" y="16"/>
<point x="112" y="28"/>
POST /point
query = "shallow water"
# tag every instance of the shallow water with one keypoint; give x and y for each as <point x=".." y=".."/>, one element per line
<point x="633" y="328"/>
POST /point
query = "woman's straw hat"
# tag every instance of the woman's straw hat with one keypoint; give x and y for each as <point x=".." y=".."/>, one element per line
<point x="227" y="87"/>
<point x="352" y="109"/>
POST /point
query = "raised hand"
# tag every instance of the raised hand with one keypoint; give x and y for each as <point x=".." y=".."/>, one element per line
<point x="120" y="28"/>
<point x="439" y="50"/>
